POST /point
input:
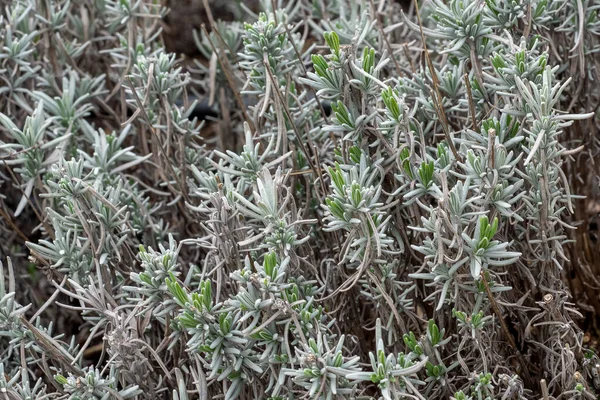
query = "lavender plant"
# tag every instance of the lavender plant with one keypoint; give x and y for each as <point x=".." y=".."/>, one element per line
<point x="384" y="201"/>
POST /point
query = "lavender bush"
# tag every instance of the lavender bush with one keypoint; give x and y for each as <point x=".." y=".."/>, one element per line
<point x="335" y="199"/>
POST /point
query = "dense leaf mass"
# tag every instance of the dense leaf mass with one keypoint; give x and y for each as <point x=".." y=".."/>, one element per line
<point x="335" y="199"/>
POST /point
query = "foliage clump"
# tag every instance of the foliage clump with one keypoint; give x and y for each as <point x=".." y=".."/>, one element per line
<point x="337" y="200"/>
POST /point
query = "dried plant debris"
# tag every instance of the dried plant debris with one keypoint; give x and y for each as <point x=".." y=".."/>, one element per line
<point x="335" y="199"/>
